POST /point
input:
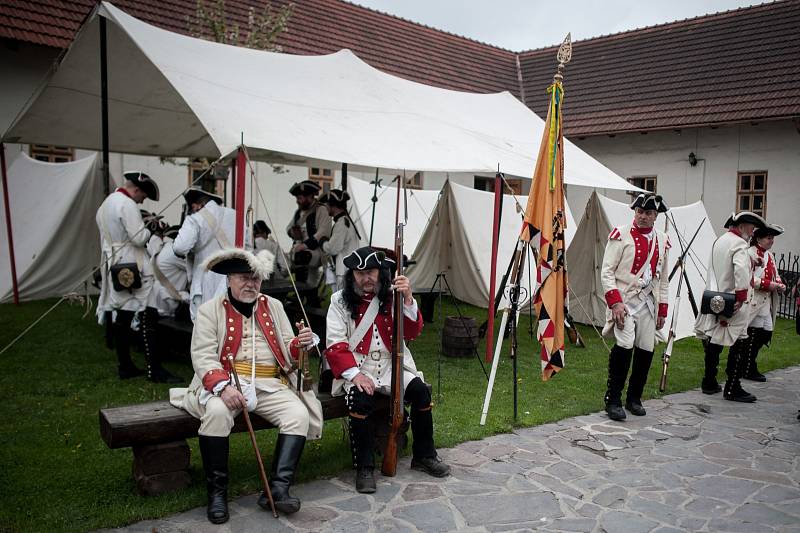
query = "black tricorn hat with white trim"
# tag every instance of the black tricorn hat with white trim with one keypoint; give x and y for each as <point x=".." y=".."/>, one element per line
<point x="650" y="201"/>
<point x="144" y="182"/>
<point x="239" y="261"/>
<point x="195" y="194"/>
<point x="366" y="258"/>
<point x="336" y="198"/>
<point x="305" y="187"/>
<point x="769" y="229"/>
<point x="745" y="217"/>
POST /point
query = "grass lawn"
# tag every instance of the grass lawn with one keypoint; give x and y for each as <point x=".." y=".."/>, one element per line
<point x="58" y="475"/>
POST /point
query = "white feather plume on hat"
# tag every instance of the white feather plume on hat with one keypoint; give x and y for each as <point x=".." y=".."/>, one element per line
<point x="262" y="263"/>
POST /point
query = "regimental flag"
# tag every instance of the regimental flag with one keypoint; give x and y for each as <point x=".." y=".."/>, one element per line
<point x="543" y="227"/>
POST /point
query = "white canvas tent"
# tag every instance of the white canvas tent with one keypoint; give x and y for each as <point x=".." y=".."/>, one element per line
<point x="585" y="258"/>
<point x="458" y="242"/>
<point x="52" y="204"/>
<point x="421" y="206"/>
<point x="174" y="95"/>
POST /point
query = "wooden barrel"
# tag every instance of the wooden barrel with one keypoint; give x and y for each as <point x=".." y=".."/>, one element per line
<point x="459" y="336"/>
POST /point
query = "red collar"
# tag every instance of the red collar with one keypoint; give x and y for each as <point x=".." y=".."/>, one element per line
<point x="735" y="231"/>
<point x="761" y="250"/>
<point x="123" y="191"/>
<point x="643" y="231"/>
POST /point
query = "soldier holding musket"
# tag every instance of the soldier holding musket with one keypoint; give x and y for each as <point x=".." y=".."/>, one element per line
<point x="730" y="272"/>
<point x="636" y="287"/>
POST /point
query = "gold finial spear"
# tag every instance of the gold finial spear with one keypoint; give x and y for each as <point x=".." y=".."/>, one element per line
<point x="563" y="57"/>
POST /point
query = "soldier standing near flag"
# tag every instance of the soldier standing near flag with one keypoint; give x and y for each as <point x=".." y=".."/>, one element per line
<point x="636" y="289"/>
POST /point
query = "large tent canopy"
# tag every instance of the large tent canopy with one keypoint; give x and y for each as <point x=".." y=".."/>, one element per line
<point x="173" y="95"/>
<point x="585" y="258"/>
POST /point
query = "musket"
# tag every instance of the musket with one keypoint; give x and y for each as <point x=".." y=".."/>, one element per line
<point x="252" y="434"/>
<point x="682" y="259"/>
<point x="396" y="412"/>
<point x="303" y="379"/>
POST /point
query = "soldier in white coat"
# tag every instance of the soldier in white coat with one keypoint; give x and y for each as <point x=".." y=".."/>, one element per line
<point x="730" y="271"/>
<point x="767" y="286"/>
<point x="249" y="332"/>
<point x="636" y="287"/>
<point x="209" y="228"/>
<point x="309" y="224"/>
<point x="344" y="237"/>
<point x="126" y="274"/>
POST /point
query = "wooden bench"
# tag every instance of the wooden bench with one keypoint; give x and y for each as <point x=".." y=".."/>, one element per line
<point x="157" y="433"/>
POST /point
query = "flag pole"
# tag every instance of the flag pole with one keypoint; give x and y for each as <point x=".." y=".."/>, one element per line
<point x="498" y="211"/>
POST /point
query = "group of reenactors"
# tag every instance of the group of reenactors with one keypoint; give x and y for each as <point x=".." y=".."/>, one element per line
<point x="635" y="281"/>
<point x="239" y="331"/>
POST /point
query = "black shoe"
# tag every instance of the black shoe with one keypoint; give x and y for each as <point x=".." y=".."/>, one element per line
<point x="739" y="395"/>
<point x="616" y="412"/>
<point x="756" y="376"/>
<point x="432" y="466"/>
<point x="365" y="480"/>
<point x="162" y="375"/>
<point x="710" y="387"/>
<point x="214" y="451"/>
<point x="636" y="408"/>
<point x="129" y="371"/>
<point x="284" y="465"/>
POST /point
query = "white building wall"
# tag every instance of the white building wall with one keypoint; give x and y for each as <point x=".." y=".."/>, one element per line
<point x="721" y="152"/>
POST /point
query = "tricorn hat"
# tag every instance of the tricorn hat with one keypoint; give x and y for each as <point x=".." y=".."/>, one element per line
<point x="239" y="261"/>
<point x="336" y="198"/>
<point x="194" y="194"/>
<point x="305" y="187"/>
<point x="650" y="201"/>
<point x="746" y="217"/>
<point x="366" y="258"/>
<point x="766" y="231"/>
<point x="172" y="231"/>
<point x="144" y="182"/>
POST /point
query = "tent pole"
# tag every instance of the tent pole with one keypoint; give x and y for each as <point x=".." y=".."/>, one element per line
<point x="104" y="103"/>
<point x="14" y="285"/>
<point x="241" y="163"/>
<point x="374" y="202"/>
<point x="498" y="209"/>
<point x="344" y="176"/>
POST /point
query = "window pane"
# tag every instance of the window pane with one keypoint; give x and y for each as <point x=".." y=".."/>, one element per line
<point x="758" y="202"/>
<point x="744" y="182"/>
<point x="758" y="182"/>
<point x="744" y="203"/>
<point x="650" y="185"/>
<point x="314" y="171"/>
<point x="41" y="157"/>
<point x="326" y="172"/>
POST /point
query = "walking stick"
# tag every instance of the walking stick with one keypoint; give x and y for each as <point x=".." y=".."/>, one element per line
<point x="252" y="433"/>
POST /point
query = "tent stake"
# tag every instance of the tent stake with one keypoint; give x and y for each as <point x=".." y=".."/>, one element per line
<point x="14" y="285"/>
<point x="104" y="103"/>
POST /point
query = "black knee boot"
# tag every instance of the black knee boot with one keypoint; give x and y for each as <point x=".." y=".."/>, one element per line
<point x="424" y="457"/>
<point x="122" y="344"/>
<point x="733" y="390"/>
<point x="284" y="465"/>
<point x="759" y="337"/>
<point x="362" y="439"/>
<point x="214" y="451"/>
<point x="155" y="372"/>
<point x="619" y="361"/>
<point x="709" y="385"/>
<point x="641" y="367"/>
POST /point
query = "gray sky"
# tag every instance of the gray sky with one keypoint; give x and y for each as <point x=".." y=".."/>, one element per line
<point x="527" y="24"/>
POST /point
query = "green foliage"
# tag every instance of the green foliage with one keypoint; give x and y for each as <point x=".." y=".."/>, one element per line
<point x="211" y="22"/>
<point x="58" y="474"/>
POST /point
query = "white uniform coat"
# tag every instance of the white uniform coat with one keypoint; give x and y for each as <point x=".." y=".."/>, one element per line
<point x="174" y="270"/>
<point x="322" y="222"/>
<point x="197" y="238"/>
<point x="764" y="303"/>
<point x="343" y="240"/>
<point x="730" y="263"/>
<point x="123" y="239"/>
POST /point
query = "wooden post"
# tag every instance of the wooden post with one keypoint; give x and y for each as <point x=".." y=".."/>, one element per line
<point x="104" y="104"/>
<point x="498" y="210"/>
<point x="14" y="286"/>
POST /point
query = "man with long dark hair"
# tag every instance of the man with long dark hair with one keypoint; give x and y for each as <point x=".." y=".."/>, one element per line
<point x="359" y="331"/>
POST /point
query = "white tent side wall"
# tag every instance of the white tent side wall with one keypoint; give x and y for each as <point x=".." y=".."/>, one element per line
<point x="56" y="243"/>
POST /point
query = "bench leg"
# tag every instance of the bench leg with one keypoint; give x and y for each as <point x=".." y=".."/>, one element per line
<point x="161" y="468"/>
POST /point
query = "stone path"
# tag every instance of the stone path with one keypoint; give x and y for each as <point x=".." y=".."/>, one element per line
<point x="694" y="463"/>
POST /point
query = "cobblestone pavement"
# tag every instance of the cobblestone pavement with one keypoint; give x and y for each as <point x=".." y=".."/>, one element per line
<point x="694" y="463"/>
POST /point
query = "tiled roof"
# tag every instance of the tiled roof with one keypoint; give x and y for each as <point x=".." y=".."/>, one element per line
<point x="736" y="66"/>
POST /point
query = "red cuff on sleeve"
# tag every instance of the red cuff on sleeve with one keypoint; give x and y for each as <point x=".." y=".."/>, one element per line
<point x="412" y="328"/>
<point x="213" y="377"/>
<point x="294" y="349"/>
<point x="741" y="295"/>
<point x="340" y="358"/>
<point x="662" y="310"/>
<point x="613" y="297"/>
